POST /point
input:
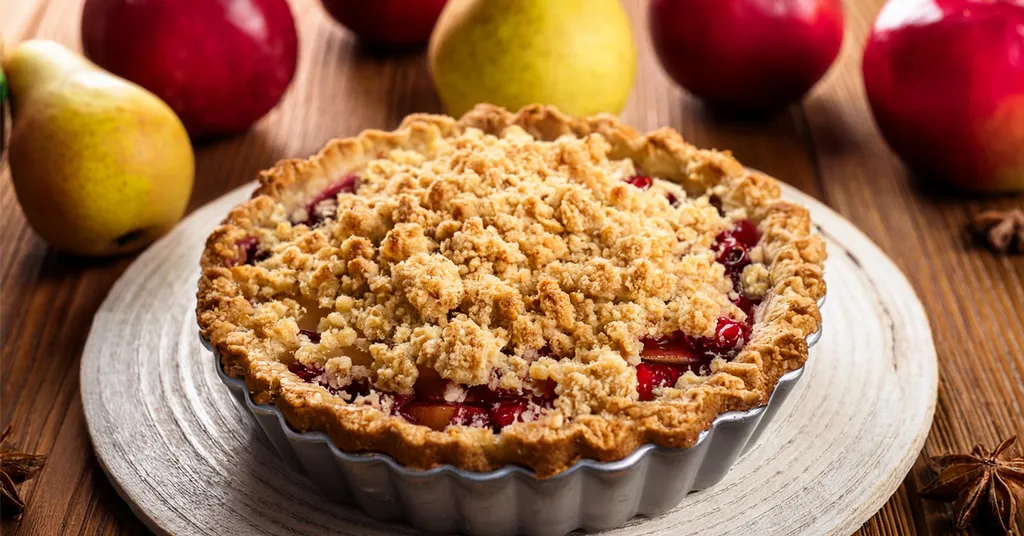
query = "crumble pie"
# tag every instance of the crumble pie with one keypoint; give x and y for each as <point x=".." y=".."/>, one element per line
<point x="507" y="288"/>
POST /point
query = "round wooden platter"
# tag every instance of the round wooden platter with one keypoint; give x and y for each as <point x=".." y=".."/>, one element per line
<point x="188" y="459"/>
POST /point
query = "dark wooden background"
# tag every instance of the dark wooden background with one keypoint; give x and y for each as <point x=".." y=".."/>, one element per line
<point x="827" y="147"/>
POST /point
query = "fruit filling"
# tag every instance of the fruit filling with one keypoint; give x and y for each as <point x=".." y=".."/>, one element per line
<point x="732" y="248"/>
<point x="438" y="415"/>
<point x="665" y="359"/>
<point x="437" y="402"/>
<point x="651" y="376"/>
<point x="325" y="204"/>
<point x="642" y="182"/>
<point x="745" y="304"/>
<point x="248" y="252"/>
<point x="313" y="336"/>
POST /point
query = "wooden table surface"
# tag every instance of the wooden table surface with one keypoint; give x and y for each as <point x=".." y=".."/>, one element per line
<point x="827" y="147"/>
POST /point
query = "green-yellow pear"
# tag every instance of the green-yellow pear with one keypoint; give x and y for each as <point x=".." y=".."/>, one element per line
<point x="576" y="54"/>
<point x="99" y="165"/>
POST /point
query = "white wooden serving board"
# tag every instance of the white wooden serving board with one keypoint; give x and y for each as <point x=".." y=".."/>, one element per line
<point x="188" y="460"/>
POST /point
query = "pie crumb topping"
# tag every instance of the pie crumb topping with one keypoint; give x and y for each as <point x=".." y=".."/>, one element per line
<point x="491" y="273"/>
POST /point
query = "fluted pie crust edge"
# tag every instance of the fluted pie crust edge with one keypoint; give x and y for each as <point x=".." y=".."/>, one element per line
<point x="793" y="254"/>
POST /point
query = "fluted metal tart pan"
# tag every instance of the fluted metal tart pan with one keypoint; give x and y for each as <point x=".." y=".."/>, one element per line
<point x="591" y="495"/>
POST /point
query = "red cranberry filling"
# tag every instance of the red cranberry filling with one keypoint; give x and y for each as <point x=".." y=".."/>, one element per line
<point x="745" y="232"/>
<point x="481" y="394"/>
<point x="732" y="254"/>
<point x="307" y="374"/>
<point x="481" y="407"/>
<point x="313" y="336"/>
<point x="732" y="244"/>
<point x="731" y="248"/>
<point x="323" y="205"/>
<point x="247" y="249"/>
<point x="507" y="412"/>
<point x="248" y="252"/>
<point x="651" y="376"/>
<point x="746" y="305"/>
<point x="360" y="387"/>
<point x="729" y="335"/>
<point x="642" y="182"/>
<point x="400" y="401"/>
<point x="667" y="358"/>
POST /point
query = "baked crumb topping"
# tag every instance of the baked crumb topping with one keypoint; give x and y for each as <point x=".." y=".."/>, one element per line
<point x="471" y="259"/>
<point x="498" y="274"/>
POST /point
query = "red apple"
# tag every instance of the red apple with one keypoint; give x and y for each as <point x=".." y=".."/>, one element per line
<point x="945" y="79"/>
<point x="220" y="64"/>
<point x="746" y="55"/>
<point x="389" y="23"/>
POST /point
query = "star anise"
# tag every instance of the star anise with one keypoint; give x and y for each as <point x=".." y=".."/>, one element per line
<point x="967" y="479"/>
<point x="15" y="467"/>
<point x="1000" y="230"/>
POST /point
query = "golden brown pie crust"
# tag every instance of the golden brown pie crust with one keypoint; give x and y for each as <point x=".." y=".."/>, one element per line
<point x="792" y="255"/>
